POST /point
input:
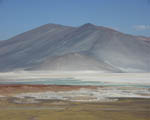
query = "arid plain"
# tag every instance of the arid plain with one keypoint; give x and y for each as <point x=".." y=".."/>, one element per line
<point x="38" y="96"/>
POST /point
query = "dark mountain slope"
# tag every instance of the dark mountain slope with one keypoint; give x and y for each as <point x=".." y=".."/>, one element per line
<point x="88" y="47"/>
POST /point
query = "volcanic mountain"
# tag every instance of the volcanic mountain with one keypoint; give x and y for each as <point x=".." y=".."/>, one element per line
<point x="88" y="47"/>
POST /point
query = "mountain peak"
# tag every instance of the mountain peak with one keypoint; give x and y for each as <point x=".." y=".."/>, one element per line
<point x="88" y="47"/>
<point x="88" y="25"/>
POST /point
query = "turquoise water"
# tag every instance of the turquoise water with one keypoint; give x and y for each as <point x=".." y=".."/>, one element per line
<point x="69" y="81"/>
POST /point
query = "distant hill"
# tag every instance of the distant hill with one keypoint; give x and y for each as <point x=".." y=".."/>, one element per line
<point x="87" y="47"/>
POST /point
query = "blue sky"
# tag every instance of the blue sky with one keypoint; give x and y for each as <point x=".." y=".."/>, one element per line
<point x="128" y="16"/>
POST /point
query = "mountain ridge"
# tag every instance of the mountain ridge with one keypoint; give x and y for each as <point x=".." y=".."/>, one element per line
<point x="97" y="46"/>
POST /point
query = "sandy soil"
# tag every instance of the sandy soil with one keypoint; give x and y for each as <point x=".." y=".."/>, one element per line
<point x="124" y="109"/>
<point x="15" y="89"/>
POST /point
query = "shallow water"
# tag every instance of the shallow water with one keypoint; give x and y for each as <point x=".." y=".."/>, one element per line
<point x="76" y="78"/>
<point x="70" y="81"/>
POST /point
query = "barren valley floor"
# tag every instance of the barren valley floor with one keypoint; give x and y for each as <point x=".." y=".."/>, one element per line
<point x="72" y="96"/>
<point x="25" y="107"/>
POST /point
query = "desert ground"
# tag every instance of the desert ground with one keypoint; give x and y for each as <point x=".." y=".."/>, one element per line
<point x="24" y="102"/>
<point x="127" y="98"/>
